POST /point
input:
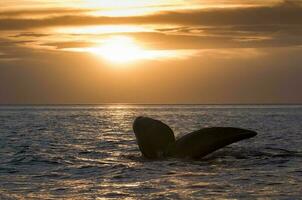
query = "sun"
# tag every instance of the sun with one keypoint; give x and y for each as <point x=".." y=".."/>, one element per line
<point x="120" y="49"/>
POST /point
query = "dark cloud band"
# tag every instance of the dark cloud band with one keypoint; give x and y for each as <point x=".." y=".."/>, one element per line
<point x="287" y="13"/>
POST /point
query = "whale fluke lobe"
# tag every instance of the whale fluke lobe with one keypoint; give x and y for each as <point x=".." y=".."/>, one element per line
<point x="156" y="139"/>
<point x="205" y="141"/>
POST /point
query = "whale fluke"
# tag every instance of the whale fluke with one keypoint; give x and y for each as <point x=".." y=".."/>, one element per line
<point x="156" y="139"/>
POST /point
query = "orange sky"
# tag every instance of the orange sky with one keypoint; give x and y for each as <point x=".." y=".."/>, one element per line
<point x="130" y="51"/>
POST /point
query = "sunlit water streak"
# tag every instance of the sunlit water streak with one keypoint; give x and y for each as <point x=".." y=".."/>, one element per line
<point x="89" y="152"/>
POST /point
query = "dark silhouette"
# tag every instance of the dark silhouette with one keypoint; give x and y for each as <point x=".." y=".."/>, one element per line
<point x="156" y="139"/>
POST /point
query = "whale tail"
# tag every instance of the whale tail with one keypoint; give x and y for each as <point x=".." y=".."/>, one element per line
<point x="156" y="139"/>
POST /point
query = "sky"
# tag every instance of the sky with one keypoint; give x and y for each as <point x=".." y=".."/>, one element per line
<point x="150" y="52"/>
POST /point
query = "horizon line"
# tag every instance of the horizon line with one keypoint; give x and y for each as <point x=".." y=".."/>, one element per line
<point x="149" y="104"/>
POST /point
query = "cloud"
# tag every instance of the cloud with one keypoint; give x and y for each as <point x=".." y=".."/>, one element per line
<point x="30" y="34"/>
<point x="11" y="50"/>
<point x="286" y="13"/>
<point x="291" y="3"/>
<point x="41" y="12"/>
<point x="245" y="35"/>
<point x="247" y="27"/>
<point x="73" y="44"/>
<point x="181" y="38"/>
<point x="281" y="14"/>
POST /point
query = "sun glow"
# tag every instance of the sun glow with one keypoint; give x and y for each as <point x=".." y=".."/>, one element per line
<point x="123" y="49"/>
<point x="120" y="49"/>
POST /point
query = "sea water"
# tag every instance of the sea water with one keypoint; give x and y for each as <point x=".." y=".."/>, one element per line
<point x="90" y="152"/>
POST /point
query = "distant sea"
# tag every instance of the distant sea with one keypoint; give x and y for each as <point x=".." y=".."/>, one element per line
<point x="90" y="152"/>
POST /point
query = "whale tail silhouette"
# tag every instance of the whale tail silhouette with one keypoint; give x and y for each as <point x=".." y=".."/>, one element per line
<point x="156" y="139"/>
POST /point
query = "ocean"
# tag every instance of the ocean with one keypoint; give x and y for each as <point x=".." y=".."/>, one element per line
<point x="90" y="152"/>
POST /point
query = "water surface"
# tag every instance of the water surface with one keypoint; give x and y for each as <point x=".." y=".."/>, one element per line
<point x="90" y="152"/>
